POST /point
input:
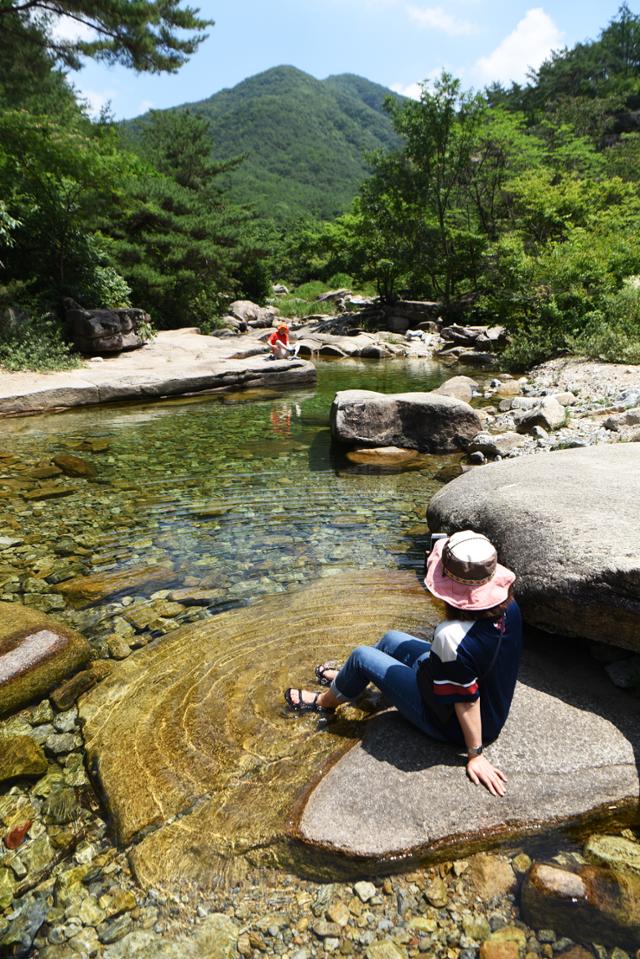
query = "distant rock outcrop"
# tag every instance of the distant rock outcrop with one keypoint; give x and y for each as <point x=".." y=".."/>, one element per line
<point x="102" y="331"/>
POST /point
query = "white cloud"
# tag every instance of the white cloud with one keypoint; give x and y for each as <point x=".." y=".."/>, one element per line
<point x="145" y="105"/>
<point x="526" y="47"/>
<point x="412" y="90"/>
<point x="436" y="18"/>
<point x="66" y="28"/>
<point x="96" y="99"/>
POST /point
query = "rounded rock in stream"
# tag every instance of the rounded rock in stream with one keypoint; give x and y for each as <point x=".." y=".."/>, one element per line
<point x="36" y="653"/>
<point x="567" y="524"/>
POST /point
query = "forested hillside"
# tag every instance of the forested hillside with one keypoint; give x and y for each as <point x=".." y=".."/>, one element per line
<point x="304" y="142"/>
<point x="519" y="205"/>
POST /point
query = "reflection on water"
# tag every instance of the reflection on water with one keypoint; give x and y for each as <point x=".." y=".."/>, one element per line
<point x="238" y="496"/>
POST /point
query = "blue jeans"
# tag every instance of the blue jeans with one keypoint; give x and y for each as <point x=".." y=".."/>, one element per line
<point x="392" y="666"/>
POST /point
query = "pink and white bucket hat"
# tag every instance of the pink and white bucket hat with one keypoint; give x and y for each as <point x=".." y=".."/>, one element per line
<point x="463" y="570"/>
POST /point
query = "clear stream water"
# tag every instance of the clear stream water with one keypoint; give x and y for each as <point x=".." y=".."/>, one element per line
<point x="241" y="494"/>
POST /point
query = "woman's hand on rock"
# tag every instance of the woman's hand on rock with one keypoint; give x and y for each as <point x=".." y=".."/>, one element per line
<point x="483" y="773"/>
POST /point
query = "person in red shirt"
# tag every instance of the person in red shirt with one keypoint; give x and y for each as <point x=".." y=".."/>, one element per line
<point x="279" y="343"/>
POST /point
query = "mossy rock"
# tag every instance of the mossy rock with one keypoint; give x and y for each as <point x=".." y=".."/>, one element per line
<point x="20" y="756"/>
<point x="36" y="653"/>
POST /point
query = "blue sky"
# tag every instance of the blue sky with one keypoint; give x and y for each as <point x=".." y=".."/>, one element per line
<point x="397" y="43"/>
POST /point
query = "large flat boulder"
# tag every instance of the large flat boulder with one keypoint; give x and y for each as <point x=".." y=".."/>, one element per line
<point x="567" y="749"/>
<point x="566" y="523"/>
<point x="175" y="363"/>
<point x="36" y="653"/>
<point x="427" y="422"/>
<point x="189" y="739"/>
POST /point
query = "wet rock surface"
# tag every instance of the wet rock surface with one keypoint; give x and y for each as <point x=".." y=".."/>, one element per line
<point x="190" y="729"/>
<point x="36" y="653"/>
<point x="581" y="573"/>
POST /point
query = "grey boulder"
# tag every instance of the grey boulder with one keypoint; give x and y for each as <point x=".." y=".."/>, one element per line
<point x="460" y="387"/>
<point x="567" y="749"/>
<point x="421" y="421"/>
<point x="103" y="331"/>
<point x="497" y="444"/>
<point x="256" y="316"/>
<point x="549" y="414"/>
<point x="566" y="523"/>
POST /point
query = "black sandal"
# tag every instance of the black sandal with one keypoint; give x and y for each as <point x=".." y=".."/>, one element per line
<point x="302" y="707"/>
<point x="321" y="670"/>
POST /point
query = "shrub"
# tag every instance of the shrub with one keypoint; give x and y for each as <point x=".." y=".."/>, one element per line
<point x="612" y="333"/>
<point x="35" y="343"/>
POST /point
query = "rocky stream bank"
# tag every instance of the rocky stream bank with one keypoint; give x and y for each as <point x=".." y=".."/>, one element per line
<point x="82" y="853"/>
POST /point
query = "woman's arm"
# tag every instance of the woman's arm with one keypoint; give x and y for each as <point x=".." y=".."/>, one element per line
<point x="479" y="769"/>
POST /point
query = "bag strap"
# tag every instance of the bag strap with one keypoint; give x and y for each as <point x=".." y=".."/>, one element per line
<point x="502" y="629"/>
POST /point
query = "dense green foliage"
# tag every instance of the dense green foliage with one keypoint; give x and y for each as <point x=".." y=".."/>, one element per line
<point x="520" y="206"/>
<point x="146" y="35"/>
<point x="83" y="215"/>
<point x="304" y="141"/>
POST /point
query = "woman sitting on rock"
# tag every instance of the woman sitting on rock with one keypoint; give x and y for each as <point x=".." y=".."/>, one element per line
<point x="459" y="687"/>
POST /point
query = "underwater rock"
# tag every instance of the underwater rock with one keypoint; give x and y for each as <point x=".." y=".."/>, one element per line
<point x="36" y="653"/>
<point x="48" y="492"/>
<point x="74" y="465"/>
<point x="20" y="756"/>
<point x="189" y="738"/>
<point x="592" y="904"/>
<point x="616" y="851"/>
<point x="84" y="590"/>
<point x="65" y="695"/>
<point x="383" y="456"/>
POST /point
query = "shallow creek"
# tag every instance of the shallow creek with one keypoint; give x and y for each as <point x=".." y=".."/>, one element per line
<point x="239" y="495"/>
<point x="191" y="508"/>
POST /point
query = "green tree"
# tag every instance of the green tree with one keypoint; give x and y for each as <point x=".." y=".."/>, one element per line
<point x="431" y="207"/>
<point x="57" y="180"/>
<point x="178" y="240"/>
<point x="145" y="35"/>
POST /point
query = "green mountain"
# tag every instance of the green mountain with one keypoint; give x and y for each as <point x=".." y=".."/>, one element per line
<point x="303" y="140"/>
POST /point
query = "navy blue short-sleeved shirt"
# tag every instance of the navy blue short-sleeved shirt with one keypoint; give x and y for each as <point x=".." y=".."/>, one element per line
<point x="461" y="653"/>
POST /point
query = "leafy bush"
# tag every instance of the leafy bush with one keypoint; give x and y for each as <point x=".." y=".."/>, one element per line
<point x="105" y="287"/>
<point x="340" y="281"/>
<point x="35" y="344"/>
<point x="528" y="347"/>
<point x="612" y="333"/>
<point x="293" y="306"/>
